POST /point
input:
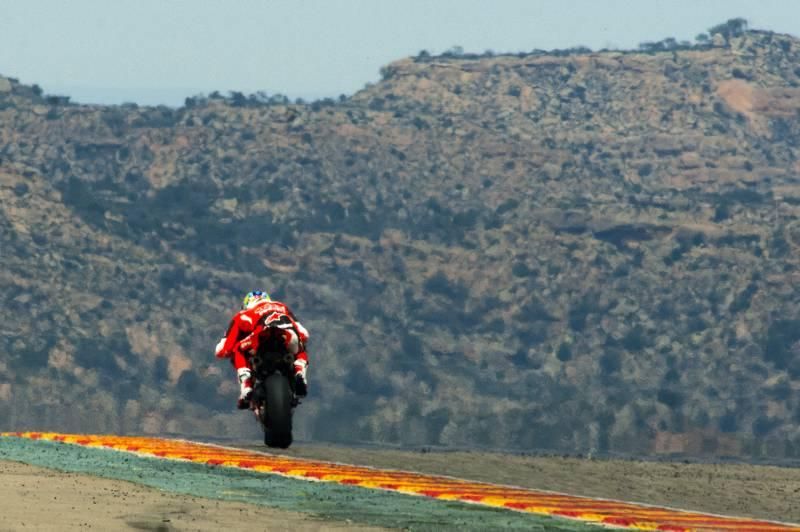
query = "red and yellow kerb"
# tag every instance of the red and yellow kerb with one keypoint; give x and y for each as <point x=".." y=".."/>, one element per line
<point x="597" y="511"/>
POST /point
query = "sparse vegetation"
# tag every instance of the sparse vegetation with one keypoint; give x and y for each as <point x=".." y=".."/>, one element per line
<point x="484" y="233"/>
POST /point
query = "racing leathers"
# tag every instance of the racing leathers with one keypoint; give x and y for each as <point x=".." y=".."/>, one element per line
<point x="243" y="323"/>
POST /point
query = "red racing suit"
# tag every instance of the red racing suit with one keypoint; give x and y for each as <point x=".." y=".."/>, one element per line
<point x="243" y="324"/>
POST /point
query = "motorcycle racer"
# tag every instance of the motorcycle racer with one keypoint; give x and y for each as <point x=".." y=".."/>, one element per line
<point x="255" y="305"/>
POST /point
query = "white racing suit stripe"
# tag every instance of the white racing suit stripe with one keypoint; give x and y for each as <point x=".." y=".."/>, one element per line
<point x="303" y="332"/>
<point x="292" y="341"/>
<point x="219" y="346"/>
<point x="300" y="367"/>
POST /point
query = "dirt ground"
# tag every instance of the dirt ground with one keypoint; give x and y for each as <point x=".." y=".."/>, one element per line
<point x="33" y="498"/>
<point x="765" y="492"/>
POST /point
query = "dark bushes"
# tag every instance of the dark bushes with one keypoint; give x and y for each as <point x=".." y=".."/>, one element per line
<point x="201" y="390"/>
<point x="781" y="336"/>
<point x="440" y="284"/>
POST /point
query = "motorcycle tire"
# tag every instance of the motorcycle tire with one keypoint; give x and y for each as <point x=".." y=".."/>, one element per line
<point x="278" y="412"/>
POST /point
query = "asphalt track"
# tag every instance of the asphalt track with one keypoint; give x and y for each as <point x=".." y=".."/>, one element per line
<point x="400" y="499"/>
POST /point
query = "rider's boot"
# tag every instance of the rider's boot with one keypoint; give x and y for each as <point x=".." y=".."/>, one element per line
<point x="245" y="388"/>
<point x="300" y="382"/>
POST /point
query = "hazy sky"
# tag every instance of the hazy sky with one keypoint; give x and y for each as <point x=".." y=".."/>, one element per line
<point x="159" y="51"/>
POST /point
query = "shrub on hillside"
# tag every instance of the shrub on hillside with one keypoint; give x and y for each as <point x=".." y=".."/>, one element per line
<point x="440" y="284"/>
<point x="763" y="425"/>
<point x="98" y="353"/>
<point x="77" y="195"/>
<point x="635" y="339"/>
<point x="610" y="361"/>
<point x="578" y="314"/>
<point x="731" y="28"/>
<point x="781" y="335"/>
<point x="534" y="310"/>
<point x="201" y="390"/>
<point x="564" y="352"/>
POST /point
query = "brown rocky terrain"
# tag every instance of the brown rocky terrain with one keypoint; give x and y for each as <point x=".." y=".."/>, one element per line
<point x="583" y="251"/>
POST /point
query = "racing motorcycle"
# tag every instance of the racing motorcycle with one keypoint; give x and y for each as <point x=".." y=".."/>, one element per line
<point x="274" y="397"/>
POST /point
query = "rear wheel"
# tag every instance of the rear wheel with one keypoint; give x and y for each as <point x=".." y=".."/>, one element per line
<point x="278" y="412"/>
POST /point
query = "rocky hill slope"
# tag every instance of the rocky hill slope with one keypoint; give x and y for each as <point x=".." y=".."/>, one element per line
<point x="574" y="251"/>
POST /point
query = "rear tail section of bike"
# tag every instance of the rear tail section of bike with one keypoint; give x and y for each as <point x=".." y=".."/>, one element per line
<point x="274" y="394"/>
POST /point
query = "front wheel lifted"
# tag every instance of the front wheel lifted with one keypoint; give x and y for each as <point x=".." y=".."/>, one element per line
<point x="278" y="412"/>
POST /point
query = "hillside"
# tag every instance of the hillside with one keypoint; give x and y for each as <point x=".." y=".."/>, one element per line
<point x="588" y="251"/>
